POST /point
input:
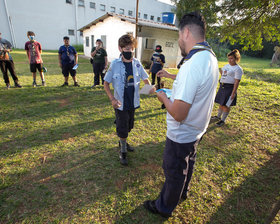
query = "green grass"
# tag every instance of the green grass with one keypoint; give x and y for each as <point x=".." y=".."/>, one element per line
<point x="59" y="157"/>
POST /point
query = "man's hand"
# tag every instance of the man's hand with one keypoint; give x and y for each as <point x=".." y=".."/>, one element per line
<point x="162" y="73"/>
<point x="115" y="103"/>
<point x="161" y="96"/>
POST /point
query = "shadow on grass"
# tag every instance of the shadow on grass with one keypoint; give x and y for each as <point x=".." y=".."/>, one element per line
<point x="87" y="183"/>
<point x="254" y="198"/>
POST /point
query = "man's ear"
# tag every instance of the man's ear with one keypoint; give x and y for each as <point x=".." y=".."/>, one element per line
<point x="186" y="33"/>
<point x="120" y="49"/>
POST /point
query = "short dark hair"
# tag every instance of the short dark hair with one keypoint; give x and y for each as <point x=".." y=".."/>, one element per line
<point x="30" y="33"/>
<point x="66" y="38"/>
<point x="236" y="54"/>
<point x="194" y="18"/>
<point x="126" y="40"/>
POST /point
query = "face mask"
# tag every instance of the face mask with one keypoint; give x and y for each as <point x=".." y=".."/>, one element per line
<point x="127" y="55"/>
<point x="31" y="37"/>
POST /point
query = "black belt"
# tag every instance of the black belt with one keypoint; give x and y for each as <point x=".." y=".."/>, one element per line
<point x="226" y="84"/>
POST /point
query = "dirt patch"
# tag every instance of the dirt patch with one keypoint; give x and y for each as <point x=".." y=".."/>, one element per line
<point x="64" y="102"/>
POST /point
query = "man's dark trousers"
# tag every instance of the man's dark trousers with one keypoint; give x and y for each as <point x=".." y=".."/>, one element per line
<point x="5" y="66"/>
<point x="178" y="164"/>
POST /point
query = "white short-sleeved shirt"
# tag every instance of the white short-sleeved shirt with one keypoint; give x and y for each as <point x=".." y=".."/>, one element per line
<point x="230" y="73"/>
<point x="195" y="84"/>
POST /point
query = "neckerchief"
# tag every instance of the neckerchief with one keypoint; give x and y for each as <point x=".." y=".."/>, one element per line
<point x="199" y="47"/>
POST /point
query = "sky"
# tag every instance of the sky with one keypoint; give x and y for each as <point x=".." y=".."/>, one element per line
<point x="166" y="1"/>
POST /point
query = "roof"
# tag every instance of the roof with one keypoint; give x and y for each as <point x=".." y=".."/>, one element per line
<point x="141" y="22"/>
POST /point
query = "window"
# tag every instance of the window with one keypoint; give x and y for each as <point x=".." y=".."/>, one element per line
<point x="103" y="38"/>
<point x="150" y="43"/>
<point x="130" y="13"/>
<point x="92" y="5"/>
<point x="87" y="41"/>
<point x="145" y="16"/>
<point x="69" y="1"/>
<point x="158" y="19"/>
<point x="122" y="11"/>
<point x="81" y="3"/>
<point x="102" y="7"/>
<point x="92" y="41"/>
<point x="139" y="14"/>
<point x="152" y="17"/>
<point x="113" y="9"/>
<point x="71" y="32"/>
<point x="81" y="33"/>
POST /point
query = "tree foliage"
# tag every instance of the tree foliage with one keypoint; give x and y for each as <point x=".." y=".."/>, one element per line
<point x="246" y="22"/>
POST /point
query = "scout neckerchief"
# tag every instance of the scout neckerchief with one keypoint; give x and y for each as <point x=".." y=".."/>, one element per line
<point x="199" y="47"/>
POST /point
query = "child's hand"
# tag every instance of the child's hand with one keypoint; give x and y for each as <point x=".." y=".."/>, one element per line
<point x="153" y="90"/>
<point x="115" y="103"/>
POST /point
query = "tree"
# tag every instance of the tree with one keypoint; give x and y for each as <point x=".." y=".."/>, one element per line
<point x="246" y="22"/>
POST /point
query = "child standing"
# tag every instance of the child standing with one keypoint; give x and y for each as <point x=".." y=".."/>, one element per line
<point x="158" y="61"/>
<point x="125" y="74"/>
<point x="68" y="58"/>
<point x="229" y="82"/>
<point x="34" y="50"/>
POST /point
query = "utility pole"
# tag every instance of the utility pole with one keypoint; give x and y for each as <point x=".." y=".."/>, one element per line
<point x="136" y="25"/>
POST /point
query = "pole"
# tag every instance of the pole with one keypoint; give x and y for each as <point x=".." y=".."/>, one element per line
<point x="136" y="25"/>
<point x="10" y="25"/>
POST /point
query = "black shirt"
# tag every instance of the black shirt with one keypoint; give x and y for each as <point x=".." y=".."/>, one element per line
<point x="128" y="102"/>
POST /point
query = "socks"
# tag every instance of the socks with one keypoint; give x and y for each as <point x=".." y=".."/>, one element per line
<point x="224" y="116"/>
<point x="219" y="113"/>
<point x="123" y="145"/>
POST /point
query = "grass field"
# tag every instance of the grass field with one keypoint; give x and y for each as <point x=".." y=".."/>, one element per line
<point x="59" y="157"/>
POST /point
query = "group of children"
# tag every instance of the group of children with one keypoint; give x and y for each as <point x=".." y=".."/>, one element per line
<point x="125" y="74"/>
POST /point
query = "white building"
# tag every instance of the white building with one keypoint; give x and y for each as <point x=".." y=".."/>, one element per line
<point x="53" y="19"/>
<point x="110" y="27"/>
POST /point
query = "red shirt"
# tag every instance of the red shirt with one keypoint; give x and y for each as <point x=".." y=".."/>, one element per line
<point x="34" y="55"/>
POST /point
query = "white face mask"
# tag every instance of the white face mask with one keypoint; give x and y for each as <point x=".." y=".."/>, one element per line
<point x="31" y="37"/>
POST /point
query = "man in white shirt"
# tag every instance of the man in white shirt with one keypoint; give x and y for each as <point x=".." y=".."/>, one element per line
<point x="188" y="112"/>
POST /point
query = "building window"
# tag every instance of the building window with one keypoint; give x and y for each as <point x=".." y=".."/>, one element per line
<point x="87" y="41"/>
<point x="113" y="9"/>
<point x="81" y="3"/>
<point x="71" y="32"/>
<point x="69" y="1"/>
<point x="81" y="33"/>
<point x="102" y="7"/>
<point x="103" y="38"/>
<point x="92" y="41"/>
<point x="130" y="13"/>
<point x="122" y="11"/>
<point x="139" y="14"/>
<point x="152" y="17"/>
<point x="145" y="16"/>
<point x="92" y="5"/>
<point x="150" y="43"/>
<point x="158" y="19"/>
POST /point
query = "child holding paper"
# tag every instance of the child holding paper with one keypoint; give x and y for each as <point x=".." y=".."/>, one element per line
<point x="227" y="94"/>
<point x="125" y="74"/>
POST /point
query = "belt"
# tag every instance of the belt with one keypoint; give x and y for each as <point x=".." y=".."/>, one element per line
<point x="226" y="84"/>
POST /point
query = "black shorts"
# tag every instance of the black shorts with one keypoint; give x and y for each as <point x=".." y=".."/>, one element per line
<point x="34" y="66"/>
<point x="224" y="94"/>
<point x="124" y="122"/>
<point x="66" y="69"/>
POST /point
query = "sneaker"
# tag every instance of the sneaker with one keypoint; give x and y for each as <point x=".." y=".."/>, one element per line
<point x="151" y="207"/>
<point x="17" y="85"/>
<point x="76" y="84"/>
<point x="43" y="83"/>
<point x="123" y="159"/>
<point x="220" y="123"/>
<point x="93" y="86"/>
<point x="65" y="84"/>
<point x="34" y="84"/>
<point x="8" y="86"/>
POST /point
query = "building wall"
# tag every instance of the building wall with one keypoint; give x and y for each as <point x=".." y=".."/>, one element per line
<point x="51" y="19"/>
<point x="114" y="28"/>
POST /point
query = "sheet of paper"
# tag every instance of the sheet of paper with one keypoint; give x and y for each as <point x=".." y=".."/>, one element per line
<point x="168" y="92"/>
<point x="146" y="89"/>
<point x="229" y="102"/>
<point x="75" y="67"/>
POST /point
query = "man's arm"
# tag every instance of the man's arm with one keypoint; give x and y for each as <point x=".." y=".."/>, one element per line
<point x="178" y="109"/>
<point x="106" y="61"/>
<point x="59" y="60"/>
<point x="163" y="73"/>
<point x="151" y="67"/>
<point x="76" y="58"/>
